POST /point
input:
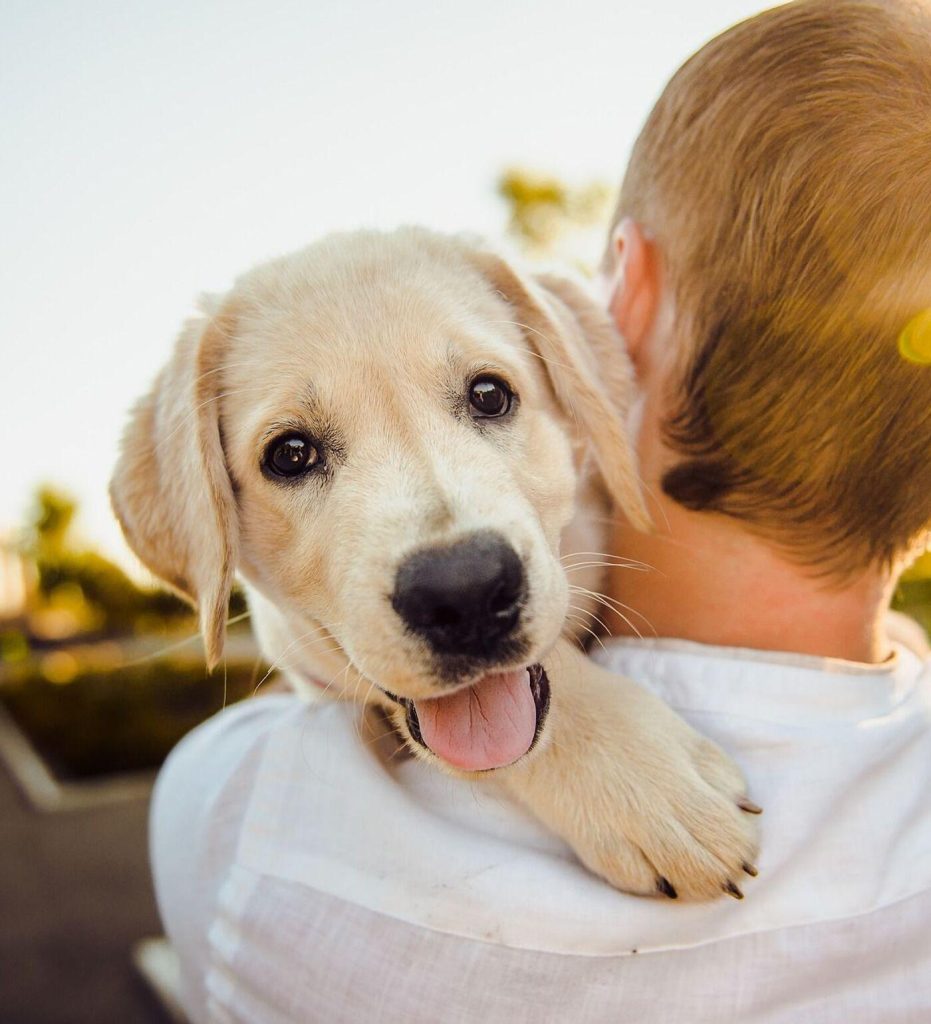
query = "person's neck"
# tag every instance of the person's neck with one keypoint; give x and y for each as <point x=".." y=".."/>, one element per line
<point x="712" y="582"/>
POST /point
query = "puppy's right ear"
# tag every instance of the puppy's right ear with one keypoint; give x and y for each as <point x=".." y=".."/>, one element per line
<point x="171" y="491"/>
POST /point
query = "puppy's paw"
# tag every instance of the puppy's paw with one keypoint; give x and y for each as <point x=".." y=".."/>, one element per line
<point x="683" y="828"/>
<point x="644" y="800"/>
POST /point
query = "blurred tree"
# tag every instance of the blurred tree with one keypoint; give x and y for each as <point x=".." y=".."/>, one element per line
<point x="78" y="590"/>
<point x="919" y="570"/>
<point x="548" y="218"/>
<point x="83" y="668"/>
<point x="52" y="516"/>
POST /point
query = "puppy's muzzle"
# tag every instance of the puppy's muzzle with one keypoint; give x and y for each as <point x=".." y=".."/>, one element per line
<point x="463" y="599"/>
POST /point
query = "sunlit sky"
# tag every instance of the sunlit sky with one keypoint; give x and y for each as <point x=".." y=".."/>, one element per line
<point x="152" y="150"/>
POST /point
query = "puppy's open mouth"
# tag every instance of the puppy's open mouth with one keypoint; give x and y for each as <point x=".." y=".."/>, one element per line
<point x="487" y="725"/>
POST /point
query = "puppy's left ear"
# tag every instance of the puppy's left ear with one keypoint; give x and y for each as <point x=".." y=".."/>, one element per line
<point x="587" y="365"/>
<point x="171" y="491"/>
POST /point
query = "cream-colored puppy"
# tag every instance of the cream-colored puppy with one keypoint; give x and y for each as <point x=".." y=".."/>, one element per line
<point x="392" y="437"/>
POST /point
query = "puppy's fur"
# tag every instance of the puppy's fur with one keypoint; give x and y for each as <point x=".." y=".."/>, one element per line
<point x="367" y="344"/>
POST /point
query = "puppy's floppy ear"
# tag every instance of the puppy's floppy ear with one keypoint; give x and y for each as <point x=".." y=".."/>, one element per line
<point x="171" y="491"/>
<point x="588" y="369"/>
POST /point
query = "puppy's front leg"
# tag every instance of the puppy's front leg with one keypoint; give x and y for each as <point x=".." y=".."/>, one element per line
<point x="643" y="799"/>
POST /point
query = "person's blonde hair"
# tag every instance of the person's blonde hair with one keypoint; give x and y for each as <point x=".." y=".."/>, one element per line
<point x="785" y="173"/>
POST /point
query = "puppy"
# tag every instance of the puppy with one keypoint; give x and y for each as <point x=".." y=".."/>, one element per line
<point x="391" y="437"/>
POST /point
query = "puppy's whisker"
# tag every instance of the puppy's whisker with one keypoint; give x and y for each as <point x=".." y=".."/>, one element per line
<point x="402" y="751"/>
<point x="318" y="645"/>
<point x="337" y="680"/>
<point x="360" y="680"/>
<point x="639" y="635"/>
<point x="577" y="640"/>
<point x="321" y="645"/>
<point x="307" y="641"/>
<point x="256" y="668"/>
<point x="594" y="618"/>
<point x="178" y="644"/>
<point x="301" y="641"/>
<point x="281" y="667"/>
<point x="368" y="692"/>
<point x="620" y="563"/>
<point x="381" y="736"/>
<point x="616" y="607"/>
<point x="364" y="702"/>
<point x="601" y="556"/>
<point x="604" y="565"/>
<point x="580" y="621"/>
<point x="607" y="556"/>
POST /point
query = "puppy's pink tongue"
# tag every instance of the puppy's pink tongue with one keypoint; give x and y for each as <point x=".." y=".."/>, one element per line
<point x="485" y="726"/>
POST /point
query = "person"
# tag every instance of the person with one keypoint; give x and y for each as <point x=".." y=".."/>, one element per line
<point x="770" y="271"/>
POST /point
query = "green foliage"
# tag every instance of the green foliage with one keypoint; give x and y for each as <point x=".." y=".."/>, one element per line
<point x="121" y="718"/>
<point x="913" y="592"/>
<point x="919" y="570"/>
<point x="82" y="584"/>
<point x="52" y="515"/>
<point x="545" y="213"/>
<point x="89" y="704"/>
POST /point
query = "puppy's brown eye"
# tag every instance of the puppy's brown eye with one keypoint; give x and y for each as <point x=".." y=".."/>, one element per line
<point x="291" y="455"/>
<point x="489" y="397"/>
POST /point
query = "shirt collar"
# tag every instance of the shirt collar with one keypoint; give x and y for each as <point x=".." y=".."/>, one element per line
<point x="774" y="685"/>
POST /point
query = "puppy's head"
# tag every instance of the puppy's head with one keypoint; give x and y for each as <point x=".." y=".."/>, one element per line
<point x="382" y="434"/>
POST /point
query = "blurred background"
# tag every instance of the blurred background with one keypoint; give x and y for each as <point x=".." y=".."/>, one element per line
<point x="151" y="152"/>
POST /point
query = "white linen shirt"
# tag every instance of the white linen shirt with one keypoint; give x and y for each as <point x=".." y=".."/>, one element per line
<point x="306" y="875"/>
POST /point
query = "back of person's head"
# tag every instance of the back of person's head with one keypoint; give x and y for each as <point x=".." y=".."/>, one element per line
<point x="785" y="174"/>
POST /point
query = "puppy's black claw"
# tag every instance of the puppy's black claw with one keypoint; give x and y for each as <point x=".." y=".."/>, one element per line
<point x="746" y="804"/>
<point x="732" y="890"/>
<point x="665" y="888"/>
<point x="750" y="869"/>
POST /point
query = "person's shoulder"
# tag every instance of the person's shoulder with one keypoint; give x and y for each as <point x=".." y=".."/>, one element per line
<point x="223" y="739"/>
<point x="231" y="742"/>
<point x="204" y="788"/>
<point x="205" y="793"/>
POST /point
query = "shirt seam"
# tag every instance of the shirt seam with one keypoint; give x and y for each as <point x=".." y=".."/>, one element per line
<point x="634" y="951"/>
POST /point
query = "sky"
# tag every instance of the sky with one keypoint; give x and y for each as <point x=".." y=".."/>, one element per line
<point x="152" y="151"/>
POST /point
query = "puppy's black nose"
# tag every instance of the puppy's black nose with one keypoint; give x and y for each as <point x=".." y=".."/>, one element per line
<point x="462" y="599"/>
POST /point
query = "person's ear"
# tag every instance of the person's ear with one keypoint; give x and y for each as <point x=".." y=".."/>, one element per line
<point x="633" y="286"/>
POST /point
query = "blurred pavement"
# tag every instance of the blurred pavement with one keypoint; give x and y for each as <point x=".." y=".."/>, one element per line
<point x="75" y="896"/>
